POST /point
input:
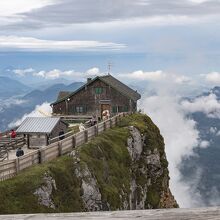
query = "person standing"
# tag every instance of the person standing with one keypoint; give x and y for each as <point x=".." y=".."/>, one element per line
<point x="61" y="135"/>
<point x="19" y="152"/>
<point x="13" y="134"/>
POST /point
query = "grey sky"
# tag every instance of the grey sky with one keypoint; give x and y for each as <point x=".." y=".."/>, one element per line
<point x="88" y="11"/>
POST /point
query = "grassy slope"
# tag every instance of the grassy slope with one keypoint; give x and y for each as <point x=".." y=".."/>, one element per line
<point x="107" y="158"/>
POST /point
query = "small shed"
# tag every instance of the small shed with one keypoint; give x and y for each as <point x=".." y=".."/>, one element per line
<point x="39" y="130"/>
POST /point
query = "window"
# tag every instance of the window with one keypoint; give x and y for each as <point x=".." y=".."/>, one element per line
<point x="98" y="90"/>
<point x="114" y="109"/>
<point x="125" y="108"/>
<point x="80" y="109"/>
<point x="120" y="108"/>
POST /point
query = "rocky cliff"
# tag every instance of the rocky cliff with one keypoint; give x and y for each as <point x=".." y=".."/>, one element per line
<point x="124" y="168"/>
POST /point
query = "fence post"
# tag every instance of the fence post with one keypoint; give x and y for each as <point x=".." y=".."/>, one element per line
<point x="74" y="141"/>
<point x="110" y="122"/>
<point x="104" y="124"/>
<point x="41" y="156"/>
<point x="116" y="120"/>
<point x="86" y="135"/>
<point x="96" y="130"/>
<point x="17" y="167"/>
<point x="60" y="148"/>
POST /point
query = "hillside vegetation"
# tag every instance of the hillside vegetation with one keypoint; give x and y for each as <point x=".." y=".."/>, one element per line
<point x="123" y="168"/>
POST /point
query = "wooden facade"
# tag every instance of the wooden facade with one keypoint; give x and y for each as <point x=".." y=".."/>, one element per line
<point x="96" y="96"/>
<point x="39" y="130"/>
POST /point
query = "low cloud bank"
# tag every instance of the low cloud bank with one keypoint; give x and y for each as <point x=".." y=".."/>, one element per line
<point x="181" y="137"/>
<point x="57" y="73"/>
<point x="43" y="110"/>
<point x="171" y="114"/>
<point x="209" y="105"/>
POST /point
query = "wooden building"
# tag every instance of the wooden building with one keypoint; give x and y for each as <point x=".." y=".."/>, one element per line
<point x="97" y="95"/>
<point x="39" y="130"/>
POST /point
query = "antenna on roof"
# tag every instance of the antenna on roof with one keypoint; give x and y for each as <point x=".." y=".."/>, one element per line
<point x="109" y="67"/>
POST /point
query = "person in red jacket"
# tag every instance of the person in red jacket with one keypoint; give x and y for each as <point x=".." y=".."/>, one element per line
<point x="13" y="134"/>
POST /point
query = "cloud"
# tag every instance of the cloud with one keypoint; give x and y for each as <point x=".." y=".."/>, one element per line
<point x="93" y="72"/>
<point x="213" y="77"/>
<point x="40" y="13"/>
<point x="209" y="105"/>
<point x="90" y="11"/>
<point x="43" y="110"/>
<point x="16" y="43"/>
<point x="181" y="137"/>
<point x="204" y="144"/>
<point x="213" y="130"/>
<point x="157" y="76"/>
<point x="57" y="73"/>
<point x="7" y="8"/>
<point x="7" y="103"/>
<point x="23" y="72"/>
<point x="9" y="13"/>
<point x="141" y="75"/>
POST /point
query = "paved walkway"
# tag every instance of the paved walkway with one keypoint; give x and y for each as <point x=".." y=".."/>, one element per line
<point x="165" y="214"/>
<point x="12" y="153"/>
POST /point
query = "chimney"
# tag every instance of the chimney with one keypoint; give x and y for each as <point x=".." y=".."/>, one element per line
<point x="89" y="80"/>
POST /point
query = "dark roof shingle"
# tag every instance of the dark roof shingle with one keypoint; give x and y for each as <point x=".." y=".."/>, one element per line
<point x="121" y="87"/>
<point x="62" y="95"/>
<point x="109" y="80"/>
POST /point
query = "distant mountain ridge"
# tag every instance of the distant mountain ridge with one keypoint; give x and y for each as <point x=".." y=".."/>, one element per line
<point x="30" y="100"/>
<point x="10" y="87"/>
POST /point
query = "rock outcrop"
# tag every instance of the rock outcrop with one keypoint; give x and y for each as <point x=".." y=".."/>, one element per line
<point x="147" y="174"/>
<point x="44" y="193"/>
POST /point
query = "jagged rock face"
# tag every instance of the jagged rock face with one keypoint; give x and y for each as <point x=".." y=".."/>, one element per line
<point x="44" y="193"/>
<point x="149" y="180"/>
<point x="91" y="196"/>
<point x="135" y="143"/>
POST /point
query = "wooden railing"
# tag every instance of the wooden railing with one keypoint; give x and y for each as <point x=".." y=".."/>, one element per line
<point x="11" y="168"/>
<point x="7" y="144"/>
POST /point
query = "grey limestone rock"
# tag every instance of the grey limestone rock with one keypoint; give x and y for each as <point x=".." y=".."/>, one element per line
<point x="44" y="192"/>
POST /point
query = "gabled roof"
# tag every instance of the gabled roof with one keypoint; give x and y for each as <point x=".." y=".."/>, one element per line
<point x="62" y="94"/>
<point x="121" y="87"/>
<point x="111" y="81"/>
<point x="42" y="125"/>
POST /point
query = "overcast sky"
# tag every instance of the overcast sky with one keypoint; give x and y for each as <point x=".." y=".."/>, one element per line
<point x="175" y="37"/>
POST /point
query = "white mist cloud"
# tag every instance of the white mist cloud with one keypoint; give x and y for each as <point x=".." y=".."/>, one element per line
<point x="8" y="8"/>
<point x="57" y="73"/>
<point x="7" y="103"/>
<point x="23" y="72"/>
<point x="181" y="137"/>
<point x="95" y="71"/>
<point x="206" y="104"/>
<point x="213" y="77"/>
<point x="204" y="144"/>
<point x="16" y="43"/>
<point x="156" y="76"/>
<point x="43" y="110"/>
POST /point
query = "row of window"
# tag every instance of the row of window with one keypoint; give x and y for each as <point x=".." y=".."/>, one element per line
<point x="115" y="109"/>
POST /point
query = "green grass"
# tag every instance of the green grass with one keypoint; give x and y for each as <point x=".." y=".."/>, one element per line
<point x="107" y="157"/>
<point x="17" y="194"/>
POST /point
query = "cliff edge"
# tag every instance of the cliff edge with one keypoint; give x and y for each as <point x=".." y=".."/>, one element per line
<point x="125" y="168"/>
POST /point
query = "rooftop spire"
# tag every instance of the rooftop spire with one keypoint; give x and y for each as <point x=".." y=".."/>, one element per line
<point x="109" y="67"/>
